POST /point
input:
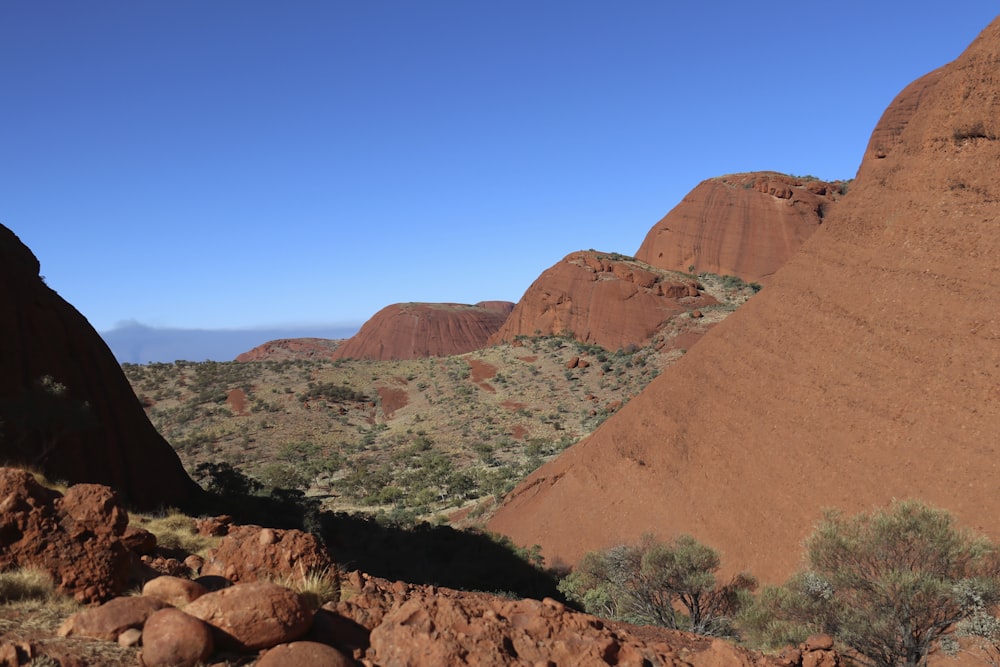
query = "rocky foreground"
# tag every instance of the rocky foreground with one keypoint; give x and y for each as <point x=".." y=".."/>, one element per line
<point x="237" y="603"/>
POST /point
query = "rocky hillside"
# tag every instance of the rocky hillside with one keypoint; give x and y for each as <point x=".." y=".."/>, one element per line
<point x="285" y="349"/>
<point x="746" y="225"/>
<point x="603" y="298"/>
<point x="416" y="330"/>
<point x="65" y="405"/>
<point x="867" y="370"/>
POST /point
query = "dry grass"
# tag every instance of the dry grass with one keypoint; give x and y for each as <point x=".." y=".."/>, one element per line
<point x="316" y="587"/>
<point x="175" y="530"/>
<point x="26" y="584"/>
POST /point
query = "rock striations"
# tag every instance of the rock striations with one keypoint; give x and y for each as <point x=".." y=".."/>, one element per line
<point x="416" y="330"/>
<point x="745" y="225"/>
<point x="65" y="404"/>
<point x="603" y="298"/>
<point x="868" y="369"/>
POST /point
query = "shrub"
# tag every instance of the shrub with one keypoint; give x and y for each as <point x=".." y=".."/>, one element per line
<point x="890" y="584"/>
<point x="672" y="585"/>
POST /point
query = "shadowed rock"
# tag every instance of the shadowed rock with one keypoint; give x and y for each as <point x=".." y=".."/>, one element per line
<point x="65" y="404"/>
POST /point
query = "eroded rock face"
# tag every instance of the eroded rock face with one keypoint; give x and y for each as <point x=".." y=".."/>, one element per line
<point x="867" y="370"/>
<point x="601" y="298"/>
<point x="746" y="225"/>
<point x="417" y="330"/>
<point x="65" y="403"/>
<point x="424" y="626"/>
<point x="77" y="538"/>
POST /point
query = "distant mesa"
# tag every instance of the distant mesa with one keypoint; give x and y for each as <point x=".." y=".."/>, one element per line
<point x="65" y="404"/>
<point x="746" y="225"/>
<point x="868" y="368"/>
<point x="286" y="349"/>
<point x="418" y="330"/>
<point x="602" y="298"/>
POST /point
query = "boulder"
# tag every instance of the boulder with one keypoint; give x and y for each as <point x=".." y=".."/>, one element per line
<point x="111" y="619"/>
<point x="252" y="553"/>
<point x="77" y="541"/>
<point x="298" y="654"/>
<point x="174" y="591"/>
<point x="173" y="638"/>
<point x="253" y="616"/>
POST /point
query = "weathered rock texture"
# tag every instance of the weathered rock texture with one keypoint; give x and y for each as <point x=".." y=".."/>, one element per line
<point x="95" y="431"/>
<point x="76" y="538"/>
<point x="416" y="330"/>
<point x="284" y="349"/>
<point x="603" y="298"/>
<point x="423" y="626"/>
<point x="868" y="369"/>
<point x="252" y="553"/>
<point x="745" y="225"/>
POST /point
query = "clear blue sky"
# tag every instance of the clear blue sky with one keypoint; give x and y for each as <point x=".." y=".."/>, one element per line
<point x="240" y="163"/>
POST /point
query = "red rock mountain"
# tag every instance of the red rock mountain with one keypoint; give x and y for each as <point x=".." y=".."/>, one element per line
<point x="415" y="330"/>
<point x="867" y="370"/>
<point x="65" y="404"/>
<point x="291" y="348"/>
<point x="745" y="225"/>
<point x="607" y="299"/>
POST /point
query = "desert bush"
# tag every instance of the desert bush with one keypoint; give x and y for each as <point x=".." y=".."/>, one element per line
<point x="890" y="585"/>
<point x="654" y="583"/>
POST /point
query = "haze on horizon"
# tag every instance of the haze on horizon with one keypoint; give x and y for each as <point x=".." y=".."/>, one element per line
<point x="235" y="165"/>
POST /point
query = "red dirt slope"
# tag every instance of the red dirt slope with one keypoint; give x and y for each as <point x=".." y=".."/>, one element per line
<point x="745" y="225"/>
<point x="869" y="368"/>
<point x="416" y="330"/>
<point x="601" y="298"/>
<point x="111" y="441"/>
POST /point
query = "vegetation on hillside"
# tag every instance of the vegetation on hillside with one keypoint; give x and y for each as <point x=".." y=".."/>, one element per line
<point x="405" y="439"/>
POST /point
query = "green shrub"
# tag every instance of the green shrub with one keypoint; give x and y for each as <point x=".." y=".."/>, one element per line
<point x="890" y="585"/>
<point x="653" y="583"/>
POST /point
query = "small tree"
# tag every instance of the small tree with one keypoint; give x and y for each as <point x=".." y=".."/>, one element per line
<point x="891" y="584"/>
<point x="673" y="585"/>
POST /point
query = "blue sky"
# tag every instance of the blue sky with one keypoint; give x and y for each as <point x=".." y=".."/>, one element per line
<point x="239" y="163"/>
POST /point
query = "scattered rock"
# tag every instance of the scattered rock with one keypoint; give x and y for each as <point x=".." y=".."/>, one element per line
<point x="213" y="526"/>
